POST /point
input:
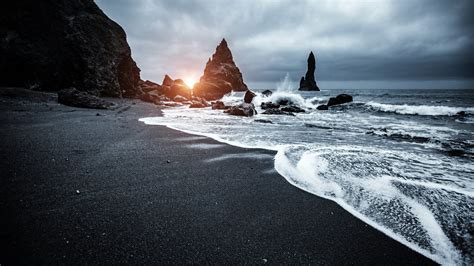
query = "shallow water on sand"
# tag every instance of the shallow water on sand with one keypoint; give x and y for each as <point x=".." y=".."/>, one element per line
<point x="400" y="160"/>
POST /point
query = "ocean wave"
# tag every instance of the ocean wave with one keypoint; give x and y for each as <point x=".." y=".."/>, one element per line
<point x="413" y="195"/>
<point x="277" y="96"/>
<point x="428" y="110"/>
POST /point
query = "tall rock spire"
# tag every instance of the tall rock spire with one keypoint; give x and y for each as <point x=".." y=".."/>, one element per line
<point x="308" y="82"/>
<point x="221" y="75"/>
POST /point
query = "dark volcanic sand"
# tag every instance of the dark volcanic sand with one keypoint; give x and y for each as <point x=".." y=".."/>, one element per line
<point x="135" y="207"/>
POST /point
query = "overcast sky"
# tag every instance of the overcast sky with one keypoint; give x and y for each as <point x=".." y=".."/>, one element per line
<point x="352" y="40"/>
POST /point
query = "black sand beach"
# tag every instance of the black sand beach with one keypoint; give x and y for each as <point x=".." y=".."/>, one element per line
<point x="80" y="188"/>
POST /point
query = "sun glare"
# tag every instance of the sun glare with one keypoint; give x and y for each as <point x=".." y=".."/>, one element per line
<point x="190" y="82"/>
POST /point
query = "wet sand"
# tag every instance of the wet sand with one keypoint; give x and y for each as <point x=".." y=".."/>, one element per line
<point x="79" y="188"/>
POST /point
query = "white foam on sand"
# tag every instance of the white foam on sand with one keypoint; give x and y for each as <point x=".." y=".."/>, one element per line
<point x="191" y="138"/>
<point x="204" y="146"/>
<point x="244" y="155"/>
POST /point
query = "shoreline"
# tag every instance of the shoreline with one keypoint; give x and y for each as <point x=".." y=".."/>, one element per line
<point x="340" y="203"/>
<point x="211" y="202"/>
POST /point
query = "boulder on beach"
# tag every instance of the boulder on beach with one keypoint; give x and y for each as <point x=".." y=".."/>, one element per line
<point x="249" y="95"/>
<point x="219" y="105"/>
<point x="276" y="111"/>
<point x="322" y="107"/>
<point x="292" y="109"/>
<point x="283" y="102"/>
<point x="197" y="105"/>
<point x="267" y="93"/>
<point x="148" y="86"/>
<point x="269" y="105"/>
<point x="221" y="75"/>
<point x="243" y="109"/>
<point x="76" y="98"/>
<point x="339" y="99"/>
<point x="308" y="82"/>
<point x="179" y="98"/>
<point x="59" y="44"/>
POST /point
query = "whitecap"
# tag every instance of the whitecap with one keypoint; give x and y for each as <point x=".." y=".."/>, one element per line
<point x="429" y="110"/>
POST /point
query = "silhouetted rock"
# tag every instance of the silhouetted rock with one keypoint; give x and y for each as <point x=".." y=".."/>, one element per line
<point x="263" y="121"/>
<point x="308" y="82"/>
<point x="219" y="105"/>
<point x="322" y="107"/>
<point x="221" y="75"/>
<point x="283" y="102"/>
<point x="339" y="99"/>
<point x="167" y="81"/>
<point x="243" y="109"/>
<point x="73" y="97"/>
<point x="56" y="44"/>
<point x="171" y="88"/>
<point x="179" y="98"/>
<point x="197" y="105"/>
<point x="276" y="111"/>
<point x="293" y="109"/>
<point x="269" y="105"/>
<point x="249" y="95"/>
<point x="147" y="86"/>
<point x="267" y="93"/>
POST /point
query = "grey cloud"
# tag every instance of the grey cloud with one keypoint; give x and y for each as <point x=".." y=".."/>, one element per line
<point x="358" y="40"/>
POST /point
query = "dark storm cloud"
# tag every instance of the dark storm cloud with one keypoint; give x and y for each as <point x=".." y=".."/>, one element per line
<point x="353" y="40"/>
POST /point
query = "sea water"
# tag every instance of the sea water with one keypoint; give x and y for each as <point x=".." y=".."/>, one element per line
<point x="400" y="160"/>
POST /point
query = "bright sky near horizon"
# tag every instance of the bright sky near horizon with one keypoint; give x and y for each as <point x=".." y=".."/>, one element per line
<point x="401" y="40"/>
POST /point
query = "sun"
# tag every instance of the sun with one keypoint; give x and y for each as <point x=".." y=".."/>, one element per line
<point x="190" y="81"/>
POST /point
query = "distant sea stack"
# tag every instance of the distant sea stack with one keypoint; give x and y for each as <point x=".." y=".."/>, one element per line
<point x="56" y="44"/>
<point x="221" y="75"/>
<point x="308" y="82"/>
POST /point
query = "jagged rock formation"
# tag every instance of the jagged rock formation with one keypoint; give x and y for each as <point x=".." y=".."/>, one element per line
<point x="221" y="75"/>
<point x="148" y="85"/>
<point x="249" y="95"/>
<point x="56" y="44"/>
<point x="171" y="88"/>
<point x="308" y="82"/>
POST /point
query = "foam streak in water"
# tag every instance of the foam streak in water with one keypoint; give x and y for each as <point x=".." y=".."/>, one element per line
<point x="419" y="109"/>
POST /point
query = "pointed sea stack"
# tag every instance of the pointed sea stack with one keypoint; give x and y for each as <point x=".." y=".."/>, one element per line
<point x="221" y="75"/>
<point x="308" y="82"/>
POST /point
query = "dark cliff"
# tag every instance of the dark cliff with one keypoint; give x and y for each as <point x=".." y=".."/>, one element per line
<point x="54" y="44"/>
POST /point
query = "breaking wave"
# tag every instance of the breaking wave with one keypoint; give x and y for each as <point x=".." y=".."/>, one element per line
<point x="420" y="109"/>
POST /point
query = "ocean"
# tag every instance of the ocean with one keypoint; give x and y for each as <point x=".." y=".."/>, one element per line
<point x="400" y="160"/>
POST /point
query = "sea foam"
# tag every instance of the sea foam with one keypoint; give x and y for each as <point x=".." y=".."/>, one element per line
<point x="420" y="109"/>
